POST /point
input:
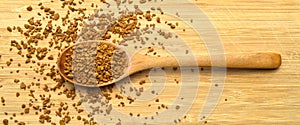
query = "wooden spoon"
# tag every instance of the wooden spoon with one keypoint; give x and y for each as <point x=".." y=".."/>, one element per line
<point x="139" y="62"/>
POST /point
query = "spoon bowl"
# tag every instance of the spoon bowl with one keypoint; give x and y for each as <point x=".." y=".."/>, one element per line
<point x="62" y="60"/>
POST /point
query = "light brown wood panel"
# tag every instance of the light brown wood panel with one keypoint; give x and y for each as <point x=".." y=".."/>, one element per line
<point x="252" y="96"/>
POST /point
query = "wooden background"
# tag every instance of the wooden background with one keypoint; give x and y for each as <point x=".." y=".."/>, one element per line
<point x="253" y="96"/>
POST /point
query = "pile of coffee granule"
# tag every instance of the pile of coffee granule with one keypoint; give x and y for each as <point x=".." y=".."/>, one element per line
<point x="95" y="63"/>
<point x="45" y="35"/>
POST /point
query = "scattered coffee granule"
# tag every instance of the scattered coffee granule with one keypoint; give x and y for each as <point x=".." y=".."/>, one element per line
<point x="16" y="80"/>
<point x="17" y="94"/>
<point x="172" y="26"/>
<point x="148" y="16"/>
<point x="177" y="107"/>
<point x="142" y="82"/>
<point x="46" y="9"/>
<point x="56" y="16"/>
<point x="124" y="26"/>
<point x="5" y="122"/>
<point x="8" y="63"/>
<point x="78" y="117"/>
<point x="150" y="49"/>
<point x="23" y="106"/>
<point x="42" y="119"/>
<point x="9" y="29"/>
<point x="27" y="61"/>
<point x="26" y="110"/>
<point x="36" y="107"/>
<point x="3" y="101"/>
<point x="29" y="8"/>
<point x="160" y="10"/>
<point x="22" y="86"/>
<point x="176" y="81"/>
<point x="21" y="123"/>
<point x="50" y="57"/>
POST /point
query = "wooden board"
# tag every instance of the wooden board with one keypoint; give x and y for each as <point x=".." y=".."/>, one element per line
<point x="249" y="96"/>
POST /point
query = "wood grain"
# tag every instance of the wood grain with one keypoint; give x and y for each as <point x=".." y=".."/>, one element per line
<point x="252" y="96"/>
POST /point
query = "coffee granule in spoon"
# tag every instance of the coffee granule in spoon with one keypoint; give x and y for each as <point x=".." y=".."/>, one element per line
<point x="95" y="64"/>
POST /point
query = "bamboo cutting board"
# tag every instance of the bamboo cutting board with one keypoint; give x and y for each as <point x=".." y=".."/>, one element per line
<point x="249" y="96"/>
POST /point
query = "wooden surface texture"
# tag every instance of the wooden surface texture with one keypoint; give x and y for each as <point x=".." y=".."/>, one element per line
<point x="249" y="96"/>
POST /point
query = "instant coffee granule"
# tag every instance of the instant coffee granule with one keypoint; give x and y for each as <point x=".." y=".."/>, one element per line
<point x="5" y="122"/>
<point x="29" y="8"/>
<point x="9" y="29"/>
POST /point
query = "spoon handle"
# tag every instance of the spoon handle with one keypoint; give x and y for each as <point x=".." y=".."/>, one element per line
<point x="260" y="60"/>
